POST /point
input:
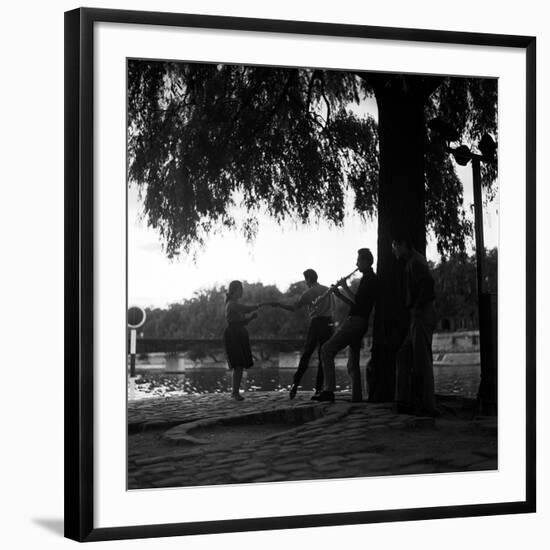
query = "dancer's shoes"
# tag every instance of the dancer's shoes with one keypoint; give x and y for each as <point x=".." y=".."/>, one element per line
<point x="327" y="396"/>
<point x="293" y="390"/>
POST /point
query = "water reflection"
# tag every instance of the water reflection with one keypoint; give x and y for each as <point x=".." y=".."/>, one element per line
<point x="450" y="380"/>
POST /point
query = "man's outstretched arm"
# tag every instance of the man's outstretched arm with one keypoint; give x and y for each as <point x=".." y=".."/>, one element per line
<point x="288" y="307"/>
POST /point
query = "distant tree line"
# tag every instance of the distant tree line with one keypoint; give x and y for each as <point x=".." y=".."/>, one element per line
<point x="456" y="290"/>
<point x="203" y="315"/>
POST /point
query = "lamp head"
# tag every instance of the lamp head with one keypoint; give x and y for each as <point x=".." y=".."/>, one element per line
<point x="488" y="147"/>
<point x="462" y="155"/>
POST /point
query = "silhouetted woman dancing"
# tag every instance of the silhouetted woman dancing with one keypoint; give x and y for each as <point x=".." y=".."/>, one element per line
<point x="235" y="336"/>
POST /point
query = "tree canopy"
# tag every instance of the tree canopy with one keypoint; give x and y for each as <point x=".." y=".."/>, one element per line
<point x="203" y="138"/>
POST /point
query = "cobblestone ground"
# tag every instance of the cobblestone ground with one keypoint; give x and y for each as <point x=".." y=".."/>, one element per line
<point x="210" y="439"/>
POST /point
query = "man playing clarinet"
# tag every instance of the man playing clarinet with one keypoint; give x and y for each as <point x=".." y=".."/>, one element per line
<point x="351" y="332"/>
<point x="320" y="304"/>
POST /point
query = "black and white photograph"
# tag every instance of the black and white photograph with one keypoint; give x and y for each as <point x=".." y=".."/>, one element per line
<point x="274" y="275"/>
<point x="312" y="273"/>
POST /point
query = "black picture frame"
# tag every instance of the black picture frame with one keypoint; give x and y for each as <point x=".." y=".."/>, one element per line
<point x="79" y="272"/>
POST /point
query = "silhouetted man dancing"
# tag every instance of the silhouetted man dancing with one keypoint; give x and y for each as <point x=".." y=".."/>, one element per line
<point x="321" y="310"/>
<point x="352" y="330"/>
<point x="414" y="360"/>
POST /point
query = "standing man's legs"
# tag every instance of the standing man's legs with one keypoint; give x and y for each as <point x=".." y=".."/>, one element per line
<point x="414" y="390"/>
<point x="309" y="347"/>
<point x="352" y="329"/>
<point x="325" y="333"/>
<point x="403" y="376"/>
<point x="422" y="326"/>
<point x="354" y="355"/>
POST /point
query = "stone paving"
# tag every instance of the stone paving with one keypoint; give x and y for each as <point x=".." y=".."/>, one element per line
<point x="210" y="439"/>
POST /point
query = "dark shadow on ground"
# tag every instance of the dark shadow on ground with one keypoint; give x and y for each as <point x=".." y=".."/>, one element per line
<point x="55" y="525"/>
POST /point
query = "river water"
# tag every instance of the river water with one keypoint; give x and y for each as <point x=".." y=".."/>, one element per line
<point x="152" y="381"/>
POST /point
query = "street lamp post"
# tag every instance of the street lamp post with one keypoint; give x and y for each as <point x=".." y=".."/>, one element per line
<point x="487" y="301"/>
<point x="487" y="304"/>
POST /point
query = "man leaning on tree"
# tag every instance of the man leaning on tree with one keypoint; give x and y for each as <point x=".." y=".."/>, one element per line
<point x="414" y="361"/>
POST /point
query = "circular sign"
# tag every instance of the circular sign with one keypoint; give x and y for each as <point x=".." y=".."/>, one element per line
<point x="136" y="317"/>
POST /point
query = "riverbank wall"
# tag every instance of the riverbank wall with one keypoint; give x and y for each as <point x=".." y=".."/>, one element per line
<point x="449" y="348"/>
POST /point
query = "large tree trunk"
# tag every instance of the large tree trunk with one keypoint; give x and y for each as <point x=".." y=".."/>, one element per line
<point x="401" y="127"/>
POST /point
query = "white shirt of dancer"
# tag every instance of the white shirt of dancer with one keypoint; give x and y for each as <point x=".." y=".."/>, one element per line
<point x="323" y="308"/>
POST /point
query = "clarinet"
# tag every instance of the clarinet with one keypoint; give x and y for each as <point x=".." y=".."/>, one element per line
<point x="330" y="289"/>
